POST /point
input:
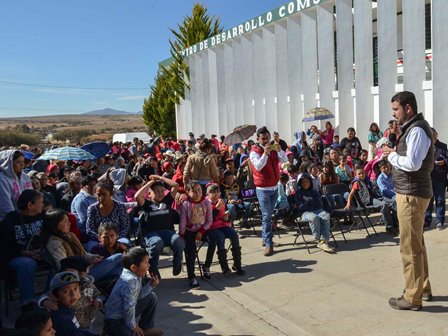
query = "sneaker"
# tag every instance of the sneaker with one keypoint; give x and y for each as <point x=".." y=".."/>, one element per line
<point x="268" y="251"/>
<point x="401" y="304"/>
<point x="155" y="274"/>
<point x="194" y="283"/>
<point x="206" y="272"/>
<point x="324" y="247"/>
<point x="239" y="272"/>
<point x="440" y="226"/>
<point x="227" y="271"/>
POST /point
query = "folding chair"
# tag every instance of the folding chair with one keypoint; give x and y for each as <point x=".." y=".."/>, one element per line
<point x="335" y="195"/>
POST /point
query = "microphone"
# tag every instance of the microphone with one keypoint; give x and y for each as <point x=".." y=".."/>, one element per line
<point x="392" y="139"/>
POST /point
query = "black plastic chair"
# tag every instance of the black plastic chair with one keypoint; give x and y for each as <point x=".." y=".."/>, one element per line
<point x="335" y="198"/>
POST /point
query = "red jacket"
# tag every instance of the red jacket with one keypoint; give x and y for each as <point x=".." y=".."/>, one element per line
<point x="270" y="174"/>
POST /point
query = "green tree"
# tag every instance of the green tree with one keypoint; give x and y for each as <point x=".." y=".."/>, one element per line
<point x="194" y="29"/>
<point x="159" y="111"/>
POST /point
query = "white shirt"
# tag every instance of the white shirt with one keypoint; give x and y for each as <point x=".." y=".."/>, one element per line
<point x="418" y="144"/>
<point x="259" y="163"/>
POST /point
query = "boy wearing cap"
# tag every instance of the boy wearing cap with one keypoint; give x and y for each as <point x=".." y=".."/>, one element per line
<point x="89" y="301"/>
<point x="130" y="298"/>
<point x="65" y="291"/>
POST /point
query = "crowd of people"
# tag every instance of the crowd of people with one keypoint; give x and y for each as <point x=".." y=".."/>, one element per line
<point x="83" y="218"/>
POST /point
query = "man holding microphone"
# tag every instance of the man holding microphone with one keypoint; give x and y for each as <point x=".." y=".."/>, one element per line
<point x="412" y="160"/>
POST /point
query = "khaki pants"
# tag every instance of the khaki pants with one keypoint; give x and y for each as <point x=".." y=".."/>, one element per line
<point x="411" y="217"/>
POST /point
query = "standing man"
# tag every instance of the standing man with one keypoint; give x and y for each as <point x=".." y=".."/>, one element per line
<point x="412" y="161"/>
<point x="438" y="176"/>
<point x="264" y="161"/>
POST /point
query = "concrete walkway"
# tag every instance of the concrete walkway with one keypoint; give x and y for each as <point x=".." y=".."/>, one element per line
<point x="296" y="293"/>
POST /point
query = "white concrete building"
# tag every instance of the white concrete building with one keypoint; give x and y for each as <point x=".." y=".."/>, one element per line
<point x="348" y="56"/>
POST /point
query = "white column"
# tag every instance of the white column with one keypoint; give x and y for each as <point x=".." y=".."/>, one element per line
<point x="238" y="81"/>
<point x="283" y="111"/>
<point x="325" y="34"/>
<point x="414" y="47"/>
<point x="248" y="92"/>
<point x="294" y="52"/>
<point x="344" y="42"/>
<point x="309" y="59"/>
<point x="258" y="73"/>
<point x="387" y="57"/>
<point x="212" y="115"/>
<point x="363" y="68"/>
<point x="205" y="113"/>
<point x="222" y="79"/>
<point x="230" y="102"/>
<point x="440" y="67"/>
<point x="270" y="78"/>
<point x="196" y="86"/>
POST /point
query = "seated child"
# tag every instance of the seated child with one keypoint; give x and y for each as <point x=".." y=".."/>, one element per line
<point x="230" y="193"/>
<point x="37" y="321"/>
<point x="343" y="170"/>
<point x="196" y="218"/>
<point x="130" y="298"/>
<point x="291" y="185"/>
<point x="309" y="202"/>
<point x="157" y="222"/>
<point x="385" y="182"/>
<point x="281" y="207"/>
<point x="109" y="245"/>
<point x="65" y="292"/>
<point x="314" y="172"/>
<point x="365" y="195"/>
<point x="221" y="229"/>
<point x="90" y="300"/>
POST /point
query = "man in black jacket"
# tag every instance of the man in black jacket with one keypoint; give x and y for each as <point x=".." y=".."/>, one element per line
<point x="412" y="160"/>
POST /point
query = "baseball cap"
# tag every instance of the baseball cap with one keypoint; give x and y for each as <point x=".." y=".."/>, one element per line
<point x="125" y="241"/>
<point x="63" y="279"/>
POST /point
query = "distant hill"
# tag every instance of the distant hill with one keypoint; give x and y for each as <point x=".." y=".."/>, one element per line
<point x="109" y="111"/>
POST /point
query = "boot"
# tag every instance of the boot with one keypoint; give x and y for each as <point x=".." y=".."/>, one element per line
<point x="222" y="258"/>
<point x="236" y="253"/>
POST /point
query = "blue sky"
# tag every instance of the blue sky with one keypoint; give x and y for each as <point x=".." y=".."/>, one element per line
<point x="92" y="44"/>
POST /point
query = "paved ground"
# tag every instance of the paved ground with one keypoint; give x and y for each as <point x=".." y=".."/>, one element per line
<point x="296" y="293"/>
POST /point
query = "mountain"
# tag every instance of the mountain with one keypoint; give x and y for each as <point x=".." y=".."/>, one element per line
<point x="109" y="111"/>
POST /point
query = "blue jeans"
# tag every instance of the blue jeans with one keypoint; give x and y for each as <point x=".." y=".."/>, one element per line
<point x="146" y="307"/>
<point x="233" y="208"/>
<point x="438" y="188"/>
<point x="108" y="267"/>
<point x="157" y="240"/>
<point x="218" y="237"/>
<point x="267" y="199"/>
<point x="319" y="223"/>
<point x="25" y="268"/>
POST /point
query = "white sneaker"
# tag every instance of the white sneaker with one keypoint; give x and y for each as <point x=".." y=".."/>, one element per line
<point x="324" y="247"/>
<point x="440" y="226"/>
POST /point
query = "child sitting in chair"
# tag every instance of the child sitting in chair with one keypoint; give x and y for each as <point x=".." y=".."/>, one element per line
<point x="309" y="203"/>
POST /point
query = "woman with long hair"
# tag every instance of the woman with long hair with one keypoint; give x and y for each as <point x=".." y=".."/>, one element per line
<point x="61" y="243"/>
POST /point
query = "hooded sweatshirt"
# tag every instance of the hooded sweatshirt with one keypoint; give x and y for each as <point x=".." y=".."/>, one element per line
<point x="11" y="184"/>
<point x="308" y="199"/>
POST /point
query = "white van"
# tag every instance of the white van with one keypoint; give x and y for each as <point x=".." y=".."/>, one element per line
<point x="128" y="137"/>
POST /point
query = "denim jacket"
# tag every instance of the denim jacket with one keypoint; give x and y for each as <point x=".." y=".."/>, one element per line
<point x="123" y="299"/>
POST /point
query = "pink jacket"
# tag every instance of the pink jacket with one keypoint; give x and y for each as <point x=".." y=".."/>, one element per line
<point x="186" y="217"/>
